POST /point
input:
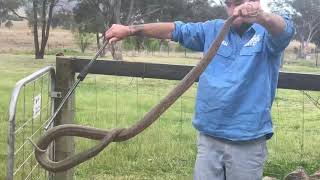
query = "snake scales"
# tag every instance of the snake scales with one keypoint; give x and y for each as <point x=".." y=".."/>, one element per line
<point x="120" y="134"/>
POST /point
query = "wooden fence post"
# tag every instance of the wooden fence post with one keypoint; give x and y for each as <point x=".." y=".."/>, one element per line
<point x="64" y="147"/>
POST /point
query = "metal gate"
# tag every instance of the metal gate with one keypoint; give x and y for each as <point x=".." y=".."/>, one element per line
<point x="31" y="105"/>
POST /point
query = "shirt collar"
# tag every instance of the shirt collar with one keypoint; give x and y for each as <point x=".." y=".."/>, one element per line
<point x="254" y="28"/>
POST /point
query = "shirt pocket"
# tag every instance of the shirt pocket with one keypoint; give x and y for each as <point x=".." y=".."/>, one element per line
<point x="251" y="50"/>
<point x="241" y="67"/>
<point x="223" y="59"/>
<point x="225" y="52"/>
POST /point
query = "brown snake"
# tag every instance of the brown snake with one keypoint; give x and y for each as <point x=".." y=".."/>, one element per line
<point x="121" y="134"/>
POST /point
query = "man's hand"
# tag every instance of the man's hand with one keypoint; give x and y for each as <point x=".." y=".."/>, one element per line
<point x="251" y="12"/>
<point x="248" y="12"/>
<point x="117" y="32"/>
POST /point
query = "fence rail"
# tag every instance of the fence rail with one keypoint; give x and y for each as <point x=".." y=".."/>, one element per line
<point x="294" y="81"/>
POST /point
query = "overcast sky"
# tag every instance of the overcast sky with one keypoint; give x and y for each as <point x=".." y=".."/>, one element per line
<point x="264" y="4"/>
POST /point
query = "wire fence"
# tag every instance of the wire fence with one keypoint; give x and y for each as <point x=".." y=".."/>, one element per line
<point x="167" y="150"/>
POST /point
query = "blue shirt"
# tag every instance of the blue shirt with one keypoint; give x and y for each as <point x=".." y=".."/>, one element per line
<point x="236" y="91"/>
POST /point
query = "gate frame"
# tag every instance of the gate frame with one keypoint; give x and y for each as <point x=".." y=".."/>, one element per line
<point x="13" y="107"/>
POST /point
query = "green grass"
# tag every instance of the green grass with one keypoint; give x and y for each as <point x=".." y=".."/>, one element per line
<point x="167" y="149"/>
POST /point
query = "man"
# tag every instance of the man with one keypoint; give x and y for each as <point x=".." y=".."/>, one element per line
<point x="236" y="91"/>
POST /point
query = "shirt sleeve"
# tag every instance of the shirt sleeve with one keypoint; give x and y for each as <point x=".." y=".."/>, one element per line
<point x="277" y="44"/>
<point x="189" y="35"/>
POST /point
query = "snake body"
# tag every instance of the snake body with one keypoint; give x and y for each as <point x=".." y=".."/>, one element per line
<point x="121" y="134"/>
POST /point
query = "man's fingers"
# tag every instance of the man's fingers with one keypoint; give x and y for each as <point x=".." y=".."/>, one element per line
<point x="109" y="34"/>
<point x="114" y="39"/>
<point x="253" y="8"/>
<point x="236" y="12"/>
<point x="117" y="33"/>
<point x="246" y="9"/>
<point x="244" y="12"/>
<point x="108" y="30"/>
<point x="249" y="7"/>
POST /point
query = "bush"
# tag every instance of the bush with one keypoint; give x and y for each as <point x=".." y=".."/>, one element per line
<point x="8" y="24"/>
<point x="180" y="48"/>
<point x="137" y="43"/>
<point x="152" y="44"/>
<point x="83" y="40"/>
<point x="129" y="43"/>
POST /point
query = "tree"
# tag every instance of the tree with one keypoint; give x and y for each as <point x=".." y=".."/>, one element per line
<point x="281" y="7"/>
<point x="8" y="24"/>
<point x="307" y="22"/>
<point x="306" y="15"/>
<point x="96" y="16"/>
<point x="203" y="10"/>
<point x="90" y="18"/>
<point x="63" y="19"/>
<point x="7" y="8"/>
<point x="316" y="39"/>
<point x="39" y="16"/>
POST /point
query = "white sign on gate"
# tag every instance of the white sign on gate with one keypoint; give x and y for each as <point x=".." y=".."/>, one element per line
<point x="36" y="106"/>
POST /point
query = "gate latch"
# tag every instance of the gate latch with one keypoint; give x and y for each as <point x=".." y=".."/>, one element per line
<point x="57" y="95"/>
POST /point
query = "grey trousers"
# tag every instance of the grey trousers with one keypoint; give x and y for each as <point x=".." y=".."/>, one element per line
<point x="219" y="159"/>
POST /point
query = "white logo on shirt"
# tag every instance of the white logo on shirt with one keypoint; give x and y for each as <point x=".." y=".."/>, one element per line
<point x="254" y="41"/>
<point x="225" y="43"/>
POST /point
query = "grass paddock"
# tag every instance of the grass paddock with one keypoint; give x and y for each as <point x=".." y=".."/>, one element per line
<point x="167" y="149"/>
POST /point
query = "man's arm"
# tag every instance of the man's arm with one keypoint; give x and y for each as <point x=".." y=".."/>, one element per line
<point x="155" y="30"/>
<point x="251" y="12"/>
<point x="190" y="35"/>
<point x="274" y="24"/>
<point x="280" y="29"/>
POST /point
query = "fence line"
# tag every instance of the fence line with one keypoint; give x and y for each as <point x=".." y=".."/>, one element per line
<point x="129" y="90"/>
<point x="123" y="100"/>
